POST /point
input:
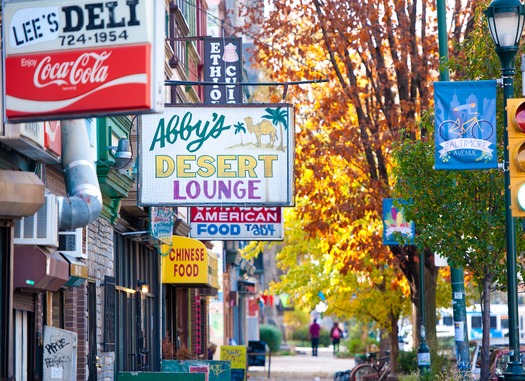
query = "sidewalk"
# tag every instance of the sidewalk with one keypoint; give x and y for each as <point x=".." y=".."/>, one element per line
<point x="301" y="367"/>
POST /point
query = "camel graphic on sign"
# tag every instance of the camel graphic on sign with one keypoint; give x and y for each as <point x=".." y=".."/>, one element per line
<point x="264" y="127"/>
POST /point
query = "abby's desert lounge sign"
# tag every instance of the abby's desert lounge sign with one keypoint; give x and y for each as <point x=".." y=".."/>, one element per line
<point x="218" y="156"/>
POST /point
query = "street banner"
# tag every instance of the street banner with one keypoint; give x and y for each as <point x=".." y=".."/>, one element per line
<point x="394" y="221"/>
<point x="465" y="125"/>
<point x="225" y="155"/>
<point x="161" y="220"/>
<point x="222" y="64"/>
<point x="236" y="223"/>
<point x="75" y="58"/>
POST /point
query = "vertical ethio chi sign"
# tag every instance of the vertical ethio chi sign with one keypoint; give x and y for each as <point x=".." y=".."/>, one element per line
<point x="218" y="156"/>
<point x="82" y="57"/>
<point x="223" y="64"/>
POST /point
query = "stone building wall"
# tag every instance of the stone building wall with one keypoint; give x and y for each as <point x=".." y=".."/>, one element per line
<point x="99" y="246"/>
<point x="100" y="264"/>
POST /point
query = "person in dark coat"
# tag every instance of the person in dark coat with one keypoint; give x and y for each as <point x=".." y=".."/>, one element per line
<point x="315" y="329"/>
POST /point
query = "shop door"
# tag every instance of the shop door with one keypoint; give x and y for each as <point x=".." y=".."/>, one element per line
<point x="126" y="328"/>
<point x="21" y="345"/>
<point x="92" y="332"/>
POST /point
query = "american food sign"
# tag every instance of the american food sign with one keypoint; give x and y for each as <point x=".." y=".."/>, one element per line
<point x="217" y="156"/>
<point x="82" y="57"/>
<point x="236" y="223"/>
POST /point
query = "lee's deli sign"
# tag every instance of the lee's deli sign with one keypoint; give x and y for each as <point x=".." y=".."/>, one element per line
<point x="81" y="57"/>
<point x="236" y="223"/>
<point x="228" y="155"/>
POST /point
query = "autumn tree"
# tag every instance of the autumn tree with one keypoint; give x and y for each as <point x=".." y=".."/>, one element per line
<point x="461" y="214"/>
<point x="379" y="60"/>
<point x="311" y="275"/>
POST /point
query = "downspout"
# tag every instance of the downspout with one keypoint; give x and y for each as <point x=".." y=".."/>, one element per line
<point x="84" y="199"/>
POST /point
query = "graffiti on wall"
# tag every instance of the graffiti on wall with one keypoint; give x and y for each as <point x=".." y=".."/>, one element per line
<point x="60" y="354"/>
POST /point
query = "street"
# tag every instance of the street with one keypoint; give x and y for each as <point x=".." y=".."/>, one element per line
<point x="301" y="367"/>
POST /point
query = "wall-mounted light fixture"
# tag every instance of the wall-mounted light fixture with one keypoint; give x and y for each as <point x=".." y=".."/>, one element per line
<point x="122" y="154"/>
<point x="143" y="286"/>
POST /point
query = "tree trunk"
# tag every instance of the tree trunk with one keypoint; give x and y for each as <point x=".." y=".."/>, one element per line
<point x="431" y="273"/>
<point x="485" y="338"/>
<point x="408" y="257"/>
<point x="394" y="342"/>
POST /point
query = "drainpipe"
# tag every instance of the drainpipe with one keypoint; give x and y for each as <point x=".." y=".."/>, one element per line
<point x="84" y="201"/>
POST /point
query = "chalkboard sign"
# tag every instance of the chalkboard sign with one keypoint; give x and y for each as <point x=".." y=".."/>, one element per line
<point x="218" y="370"/>
<point x="157" y="376"/>
<point x="238" y="374"/>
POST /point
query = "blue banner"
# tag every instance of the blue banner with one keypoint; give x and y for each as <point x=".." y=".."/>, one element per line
<point x="465" y="122"/>
<point x="394" y="221"/>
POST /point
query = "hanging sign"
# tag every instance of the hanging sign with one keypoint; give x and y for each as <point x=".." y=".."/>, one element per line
<point x="217" y="156"/>
<point x="465" y="125"/>
<point x="222" y="64"/>
<point x="236" y="223"/>
<point x="394" y="221"/>
<point x="161" y="220"/>
<point x="82" y="58"/>
<point x="186" y="261"/>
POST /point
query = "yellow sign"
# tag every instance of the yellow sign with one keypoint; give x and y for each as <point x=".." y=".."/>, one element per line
<point x="235" y="354"/>
<point x="187" y="261"/>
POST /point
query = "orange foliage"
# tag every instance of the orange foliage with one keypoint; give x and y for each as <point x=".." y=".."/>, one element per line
<point x="379" y="60"/>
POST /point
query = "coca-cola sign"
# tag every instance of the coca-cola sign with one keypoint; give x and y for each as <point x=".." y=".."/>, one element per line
<point x="80" y="57"/>
<point x="87" y="68"/>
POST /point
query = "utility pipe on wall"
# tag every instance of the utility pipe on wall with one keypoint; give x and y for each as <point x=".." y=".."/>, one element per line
<point x="83" y="204"/>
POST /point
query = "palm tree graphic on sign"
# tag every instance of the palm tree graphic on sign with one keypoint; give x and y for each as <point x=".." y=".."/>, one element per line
<point x="239" y="127"/>
<point x="278" y="116"/>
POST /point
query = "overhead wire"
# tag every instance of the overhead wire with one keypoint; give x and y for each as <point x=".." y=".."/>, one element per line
<point x="223" y="22"/>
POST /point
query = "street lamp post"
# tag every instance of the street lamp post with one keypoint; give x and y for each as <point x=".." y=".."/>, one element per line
<point x="423" y="352"/>
<point x="505" y="19"/>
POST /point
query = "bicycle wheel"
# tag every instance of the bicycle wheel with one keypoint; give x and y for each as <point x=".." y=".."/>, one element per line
<point x="364" y="372"/>
<point x="482" y="130"/>
<point x="342" y="376"/>
<point x="385" y="371"/>
<point x="449" y="130"/>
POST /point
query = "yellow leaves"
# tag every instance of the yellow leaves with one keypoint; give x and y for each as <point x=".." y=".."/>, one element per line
<point x="316" y="265"/>
<point x="345" y="132"/>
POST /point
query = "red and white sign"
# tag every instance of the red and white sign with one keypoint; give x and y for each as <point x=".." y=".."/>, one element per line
<point x="236" y="223"/>
<point x="82" y="58"/>
<point x="53" y="137"/>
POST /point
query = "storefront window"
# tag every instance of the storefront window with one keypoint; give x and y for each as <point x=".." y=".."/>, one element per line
<point x="137" y="316"/>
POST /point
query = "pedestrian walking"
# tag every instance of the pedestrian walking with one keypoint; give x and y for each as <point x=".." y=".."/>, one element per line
<point x="212" y="348"/>
<point x="315" y="329"/>
<point x="335" y="335"/>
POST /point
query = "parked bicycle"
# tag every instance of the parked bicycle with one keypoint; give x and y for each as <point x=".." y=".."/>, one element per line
<point x="374" y="369"/>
